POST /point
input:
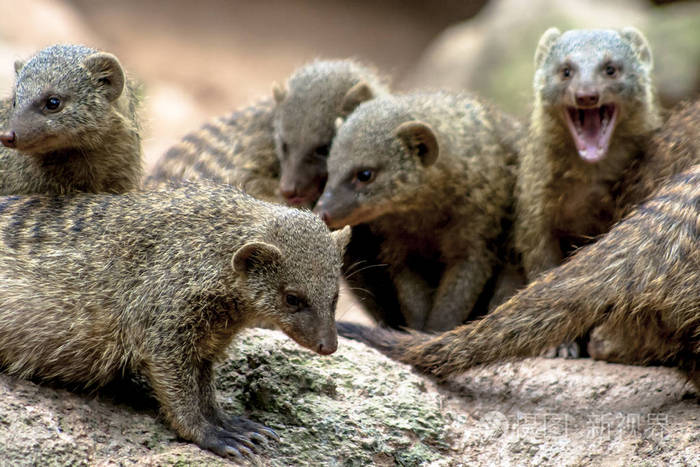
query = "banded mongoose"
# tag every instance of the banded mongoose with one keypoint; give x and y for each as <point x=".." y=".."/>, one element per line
<point x="307" y="108"/>
<point x="642" y="276"/>
<point x="594" y="106"/>
<point x="432" y="176"/>
<point x="158" y="284"/>
<point x="70" y="125"/>
<point x="237" y="149"/>
<point x="269" y="145"/>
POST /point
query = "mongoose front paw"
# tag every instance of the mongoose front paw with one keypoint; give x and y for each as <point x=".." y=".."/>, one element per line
<point x="238" y="438"/>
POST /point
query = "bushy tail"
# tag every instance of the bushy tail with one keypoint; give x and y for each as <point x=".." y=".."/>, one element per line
<point x="539" y="317"/>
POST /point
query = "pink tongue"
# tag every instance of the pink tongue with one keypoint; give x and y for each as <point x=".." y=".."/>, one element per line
<point x="591" y="134"/>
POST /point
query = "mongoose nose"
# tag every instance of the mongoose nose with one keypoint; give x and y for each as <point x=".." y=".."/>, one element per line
<point x="8" y="139"/>
<point x="587" y="99"/>
<point x="288" y="191"/>
<point x="326" y="349"/>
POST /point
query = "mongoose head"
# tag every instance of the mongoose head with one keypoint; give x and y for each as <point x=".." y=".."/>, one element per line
<point x="379" y="159"/>
<point x="61" y="97"/>
<point x="596" y="82"/>
<point x="290" y="278"/>
<point x="316" y="95"/>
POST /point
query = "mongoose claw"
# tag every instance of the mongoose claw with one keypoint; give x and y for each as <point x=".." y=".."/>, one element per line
<point x="236" y="442"/>
<point x="269" y="433"/>
<point x="565" y="350"/>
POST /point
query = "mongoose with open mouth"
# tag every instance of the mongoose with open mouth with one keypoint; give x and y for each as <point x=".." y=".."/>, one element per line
<point x="95" y="286"/>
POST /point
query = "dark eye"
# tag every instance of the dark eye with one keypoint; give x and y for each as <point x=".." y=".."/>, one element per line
<point x="52" y="103"/>
<point x="322" y="150"/>
<point x="610" y="70"/>
<point x="293" y="300"/>
<point x="566" y="72"/>
<point x="285" y="148"/>
<point x="14" y="102"/>
<point x="364" y="176"/>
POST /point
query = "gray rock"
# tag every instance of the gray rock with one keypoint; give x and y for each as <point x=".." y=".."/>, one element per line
<point x="357" y="407"/>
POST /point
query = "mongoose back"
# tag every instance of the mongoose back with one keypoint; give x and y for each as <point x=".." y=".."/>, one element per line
<point x="158" y="283"/>
<point x="315" y="96"/>
<point x="70" y="125"/>
<point x="432" y="175"/>
<point x="644" y="276"/>
<point x="237" y="149"/>
<point x="594" y="105"/>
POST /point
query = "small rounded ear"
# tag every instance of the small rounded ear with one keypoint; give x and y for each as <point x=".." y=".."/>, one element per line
<point x="255" y="254"/>
<point x="420" y="140"/>
<point x="338" y="122"/>
<point x="639" y="44"/>
<point x="19" y="64"/>
<point x="105" y="69"/>
<point x="355" y="96"/>
<point x="549" y="37"/>
<point x="279" y="93"/>
<point x="342" y="238"/>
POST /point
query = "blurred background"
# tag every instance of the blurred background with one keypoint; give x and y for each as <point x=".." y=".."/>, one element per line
<point x="199" y="59"/>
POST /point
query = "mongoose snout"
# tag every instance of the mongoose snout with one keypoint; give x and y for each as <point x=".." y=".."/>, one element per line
<point x="8" y="139"/>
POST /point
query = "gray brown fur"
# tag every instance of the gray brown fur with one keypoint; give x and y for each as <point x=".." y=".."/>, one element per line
<point x="443" y="170"/>
<point x="91" y="143"/>
<point x="563" y="200"/>
<point x="672" y="149"/>
<point x="159" y="283"/>
<point x="315" y="96"/>
<point x="640" y="283"/>
<point x="238" y="149"/>
<point x="642" y="275"/>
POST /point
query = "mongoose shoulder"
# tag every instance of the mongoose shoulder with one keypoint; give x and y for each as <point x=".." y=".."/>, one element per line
<point x="237" y="149"/>
<point x="314" y="97"/>
<point x="432" y="175"/>
<point x="71" y="124"/>
<point x="93" y="286"/>
<point x="643" y="275"/>
<point x="594" y="106"/>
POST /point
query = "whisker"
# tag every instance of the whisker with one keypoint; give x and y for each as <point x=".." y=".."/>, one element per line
<point x="348" y="276"/>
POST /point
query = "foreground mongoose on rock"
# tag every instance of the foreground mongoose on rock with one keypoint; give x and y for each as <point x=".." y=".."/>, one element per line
<point x="594" y="106"/>
<point x="158" y="284"/>
<point x="315" y="96"/>
<point x="643" y="276"/>
<point x="432" y="175"/>
<point x="71" y="124"/>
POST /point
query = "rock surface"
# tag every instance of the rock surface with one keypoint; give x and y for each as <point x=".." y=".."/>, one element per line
<point x="357" y="407"/>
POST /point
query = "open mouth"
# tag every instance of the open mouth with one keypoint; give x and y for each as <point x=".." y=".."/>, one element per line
<point x="591" y="129"/>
